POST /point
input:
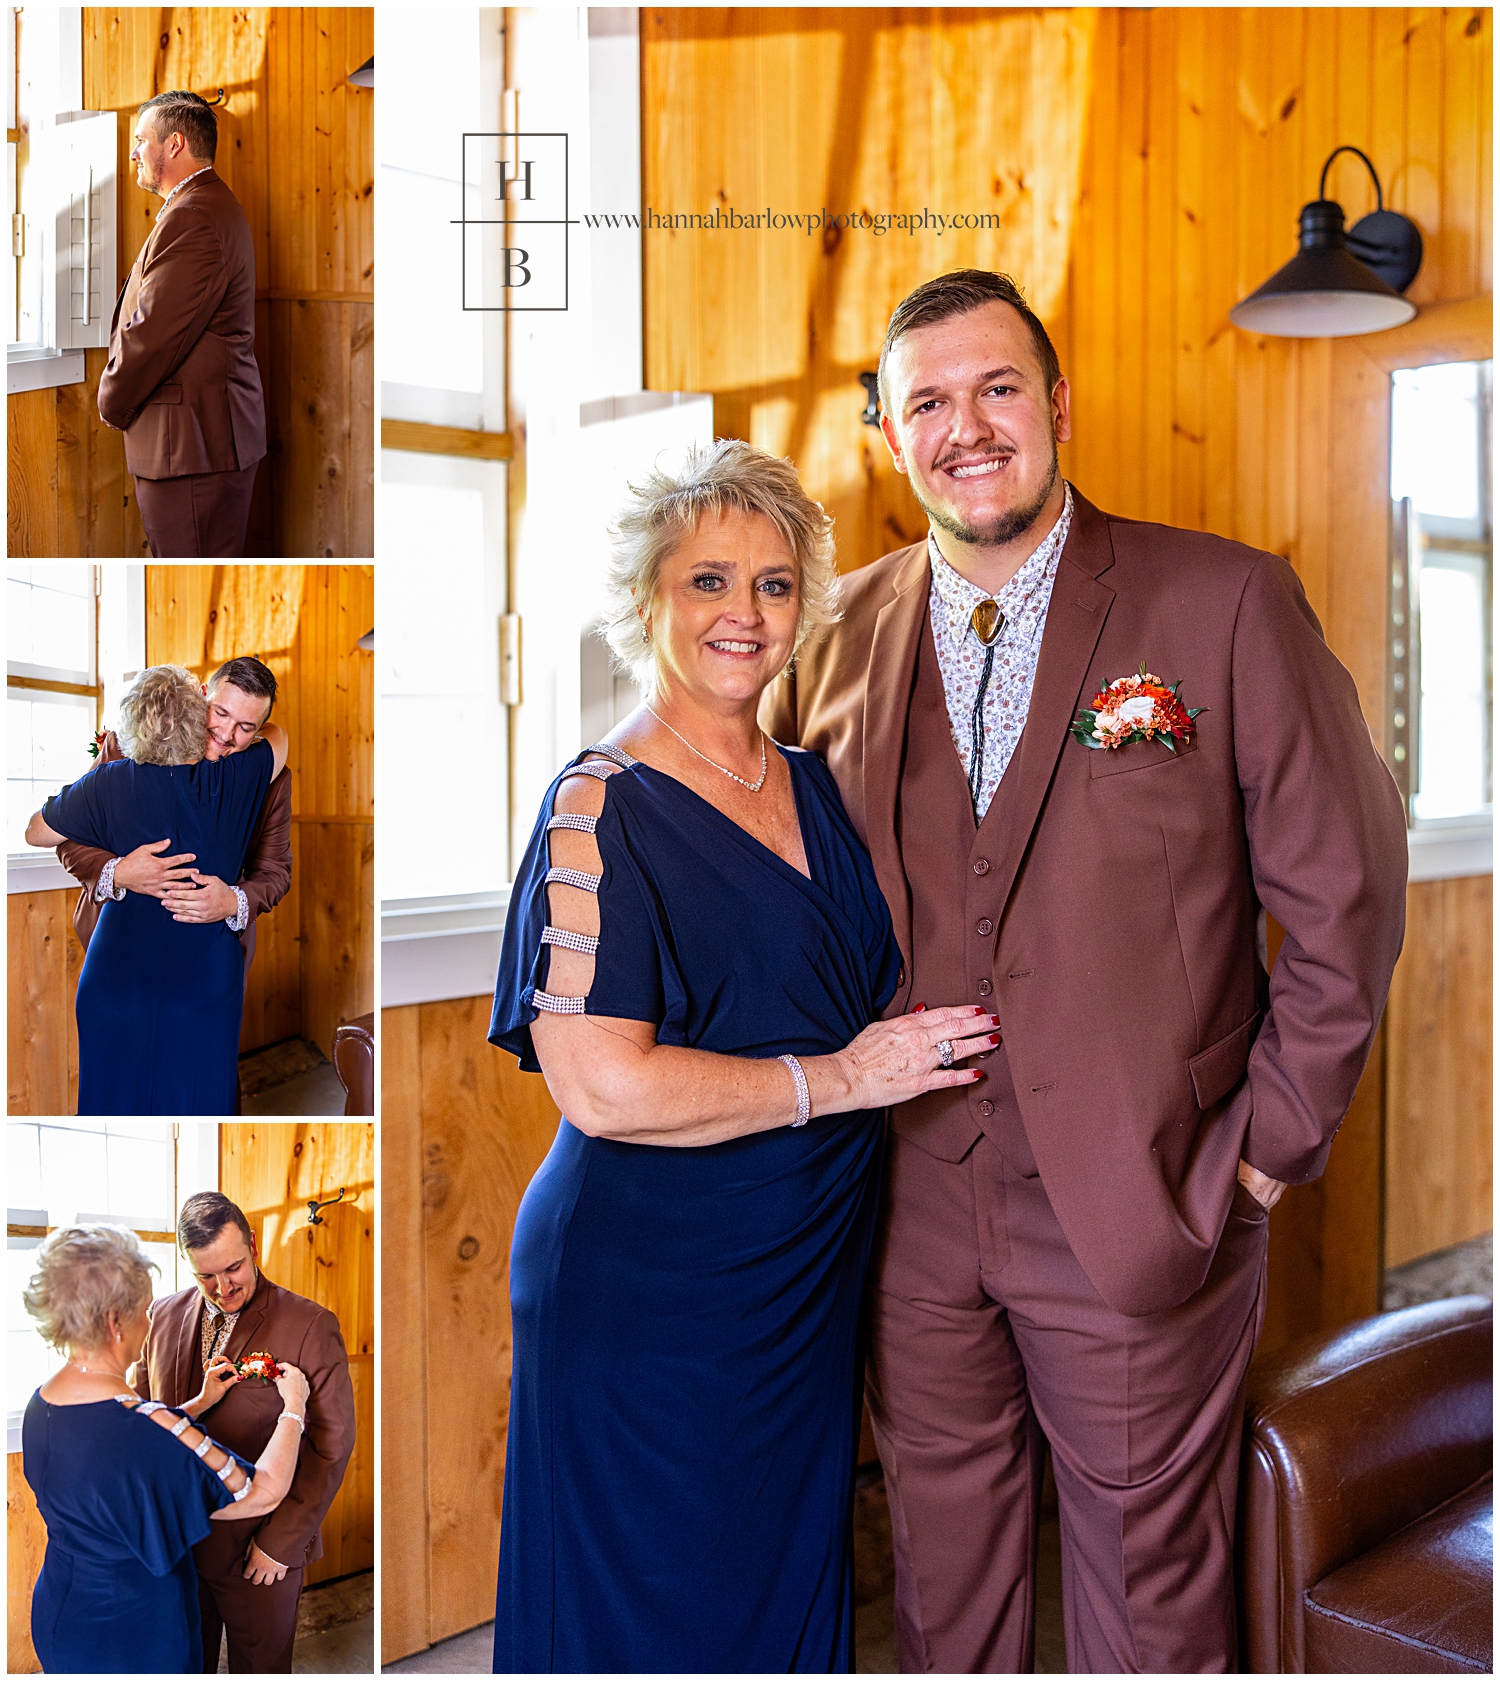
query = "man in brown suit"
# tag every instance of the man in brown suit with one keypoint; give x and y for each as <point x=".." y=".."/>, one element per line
<point x="250" y="1572"/>
<point x="240" y="696"/>
<point x="181" y="382"/>
<point x="1074" y="1247"/>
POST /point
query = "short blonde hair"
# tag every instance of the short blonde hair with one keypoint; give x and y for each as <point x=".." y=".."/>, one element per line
<point x="83" y="1274"/>
<point x="664" y="511"/>
<point x="164" y="718"/>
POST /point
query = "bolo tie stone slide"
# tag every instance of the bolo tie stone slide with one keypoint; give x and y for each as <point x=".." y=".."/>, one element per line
<point x="986" y="621"/>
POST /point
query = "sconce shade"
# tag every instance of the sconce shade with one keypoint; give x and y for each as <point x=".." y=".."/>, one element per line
<point x="367" y="642"/>
<point x="1325" y="292"/>
<point x="364" y="77"/>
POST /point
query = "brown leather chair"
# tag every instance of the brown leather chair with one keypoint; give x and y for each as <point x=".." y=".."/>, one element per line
<point x="1366" y="1498"/>
<point x="354" y="1063"/>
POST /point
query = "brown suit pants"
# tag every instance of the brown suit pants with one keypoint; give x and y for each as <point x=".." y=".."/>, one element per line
<point x="200" y="516"/>
<point x="986" y="1337"/>
<point x="261" y="1621"/>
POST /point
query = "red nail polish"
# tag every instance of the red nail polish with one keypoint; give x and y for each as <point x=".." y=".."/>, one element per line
<point x="919" y="1007"/>
<point x="978" y="1075"/>
<point x="994" y="1038"/>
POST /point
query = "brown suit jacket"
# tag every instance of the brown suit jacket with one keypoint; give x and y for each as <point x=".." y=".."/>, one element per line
<point x="181" y="381"/>
<point x="268" y="859"/>
<point x="1148" y="1052"/>
<point x="290" y="1328"/>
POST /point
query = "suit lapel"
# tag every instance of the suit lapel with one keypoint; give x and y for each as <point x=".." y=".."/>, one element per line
<point x="183" y="1371"/>
<point x="1075" y="618"/>
<point x="250" y="1322"/>
<point x="888" y="683"/>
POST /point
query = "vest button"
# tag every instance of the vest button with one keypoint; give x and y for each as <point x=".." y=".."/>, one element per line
<point x="984" y="926"/>
<point x="981" y="866"/>
<point x="986" y="988"/>
<point x="986" y="1107"/>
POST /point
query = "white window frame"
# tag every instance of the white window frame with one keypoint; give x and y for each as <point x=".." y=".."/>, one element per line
<point x="119" y="653"/>
<point x="68" y="209"/>
<point x="195" y="1167"/>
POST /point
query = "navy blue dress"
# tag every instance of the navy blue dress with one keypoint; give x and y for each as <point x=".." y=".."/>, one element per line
<point x="124" y="1502"/>
<point x="159" y="1001"/>
<point x="687" y="1353"/>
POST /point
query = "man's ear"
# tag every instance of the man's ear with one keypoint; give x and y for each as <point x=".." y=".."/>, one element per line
<point x="1062" y="420"/>
<point x="892" y="441"/>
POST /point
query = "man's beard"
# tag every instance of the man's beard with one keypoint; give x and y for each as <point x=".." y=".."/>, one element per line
<point x="1005" y="529"/>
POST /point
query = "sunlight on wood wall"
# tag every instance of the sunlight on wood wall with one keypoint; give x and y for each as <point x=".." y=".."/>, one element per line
<point x="25" y="1548"/>
<point x="272" y="1169"/>
<point x="296" y="146"/>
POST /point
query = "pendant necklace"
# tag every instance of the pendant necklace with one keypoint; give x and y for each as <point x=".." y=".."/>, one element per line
<point x="754" y="787"/>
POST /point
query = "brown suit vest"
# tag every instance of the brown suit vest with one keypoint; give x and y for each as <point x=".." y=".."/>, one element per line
<point x="947" y="864"/>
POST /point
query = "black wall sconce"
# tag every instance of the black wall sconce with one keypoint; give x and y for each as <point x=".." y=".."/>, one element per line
<point x="313" y="1216"/>
<point x="871" y="414"/>
<point x="364" y="77"/>
<point x="1339" y="284"/>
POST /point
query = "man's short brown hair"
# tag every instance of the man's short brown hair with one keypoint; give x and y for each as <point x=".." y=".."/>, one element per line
<point x="189" y="115"/>
<point x="249" y="676"/>
<point x="204" y="1215"/>
<point x="956" y="294"/>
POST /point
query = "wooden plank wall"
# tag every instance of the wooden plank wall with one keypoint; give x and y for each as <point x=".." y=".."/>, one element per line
<point x="1439" y="1131"/>
<point x="462" y="1132"/>
<point x="25" y="1547"/>
<point x="272" y="1169"/>
<point x="43" y="961"/>
<point x="314" y="961"/>
<point x="296" y="145"/>
<point x="1143" y="170"/>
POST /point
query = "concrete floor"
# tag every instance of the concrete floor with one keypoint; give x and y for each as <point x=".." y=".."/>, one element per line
<point x="470" y="1653"/>
<point x="335" y="1629"/>
<point x="289" y="1078"/>
<point x="1467" y="1269"/>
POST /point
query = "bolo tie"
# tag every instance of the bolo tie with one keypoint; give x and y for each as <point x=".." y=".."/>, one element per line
<point x="986" y="621"/>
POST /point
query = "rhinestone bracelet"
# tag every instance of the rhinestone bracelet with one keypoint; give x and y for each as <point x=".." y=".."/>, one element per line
<point x="804" y="1101"/>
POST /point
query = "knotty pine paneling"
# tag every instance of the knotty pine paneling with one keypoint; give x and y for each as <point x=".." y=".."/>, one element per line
<point x="25" y="1547"/>
<point x="43" y="964"/>
<point x="457" y="1114"/>
<point x="1142" y="171"/>
<point x="315" y="961"/>
<point x="296" y="146"/>
<point x="272" y="1169"/>
<point x="1438" y="1124"/>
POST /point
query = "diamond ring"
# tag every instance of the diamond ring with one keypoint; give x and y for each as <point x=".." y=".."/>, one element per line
<point x="945" y="1053"/>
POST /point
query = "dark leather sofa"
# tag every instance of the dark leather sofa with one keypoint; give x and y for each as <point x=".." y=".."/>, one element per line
<point x="354" y="1063"/>
<point x="1366" y="1498"/>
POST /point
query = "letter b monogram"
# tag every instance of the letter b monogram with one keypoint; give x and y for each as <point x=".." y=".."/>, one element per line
<point x="515" y="262"/>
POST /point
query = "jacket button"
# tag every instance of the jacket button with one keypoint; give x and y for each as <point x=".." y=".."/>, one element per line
<point x="984" y="926"/>
<point x="986" y="1107"/>
<point x="981" y="866"/>
<point x="986" y="988"/>
<point x="901" y="978"/>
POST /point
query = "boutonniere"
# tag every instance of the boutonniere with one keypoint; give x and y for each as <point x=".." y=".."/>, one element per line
<point x="259" y="1366"/>
<point x="96" y="746"/>
<point x="1139" y="708"/>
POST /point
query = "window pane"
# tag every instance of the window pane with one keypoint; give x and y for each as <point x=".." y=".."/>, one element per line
<point x="23" y="1167"/>
<point x="1451" y="756"/>
<point x="1435" y="455"/>
<point x="74" y="1174"/>
<point x="52" y="618"/>
<point x="48" y="745"/>
<point x="140" y="1182"/>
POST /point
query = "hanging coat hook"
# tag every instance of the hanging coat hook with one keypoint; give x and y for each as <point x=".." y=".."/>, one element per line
<point x="219" y="100"/>
<point x="316" y="1219"/>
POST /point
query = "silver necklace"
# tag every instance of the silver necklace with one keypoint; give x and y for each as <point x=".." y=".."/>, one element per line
<point x="754" y="787"/>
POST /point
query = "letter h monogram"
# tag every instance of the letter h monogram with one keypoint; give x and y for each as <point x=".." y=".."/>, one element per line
<point x="522" y="179"/>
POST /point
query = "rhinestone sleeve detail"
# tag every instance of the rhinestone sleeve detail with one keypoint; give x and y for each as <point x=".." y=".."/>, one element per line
<point x="588" y="944"/>
<point x="557" y="1006"/>
<point x="574" y="820"/>
<point x="575" y="878"/>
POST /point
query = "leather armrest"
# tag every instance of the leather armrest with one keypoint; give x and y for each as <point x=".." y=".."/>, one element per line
<point x="1349" y="1437"/>
<point x="354" y="1063"/>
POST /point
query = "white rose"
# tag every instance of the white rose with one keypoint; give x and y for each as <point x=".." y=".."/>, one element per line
<point x="1136" y="712"/>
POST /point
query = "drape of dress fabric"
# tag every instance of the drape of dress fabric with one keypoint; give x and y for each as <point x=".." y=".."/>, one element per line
<point x="687" y="1356"/>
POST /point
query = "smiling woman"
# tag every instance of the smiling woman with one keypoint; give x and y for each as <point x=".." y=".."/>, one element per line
<point x="696" y="957"/>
